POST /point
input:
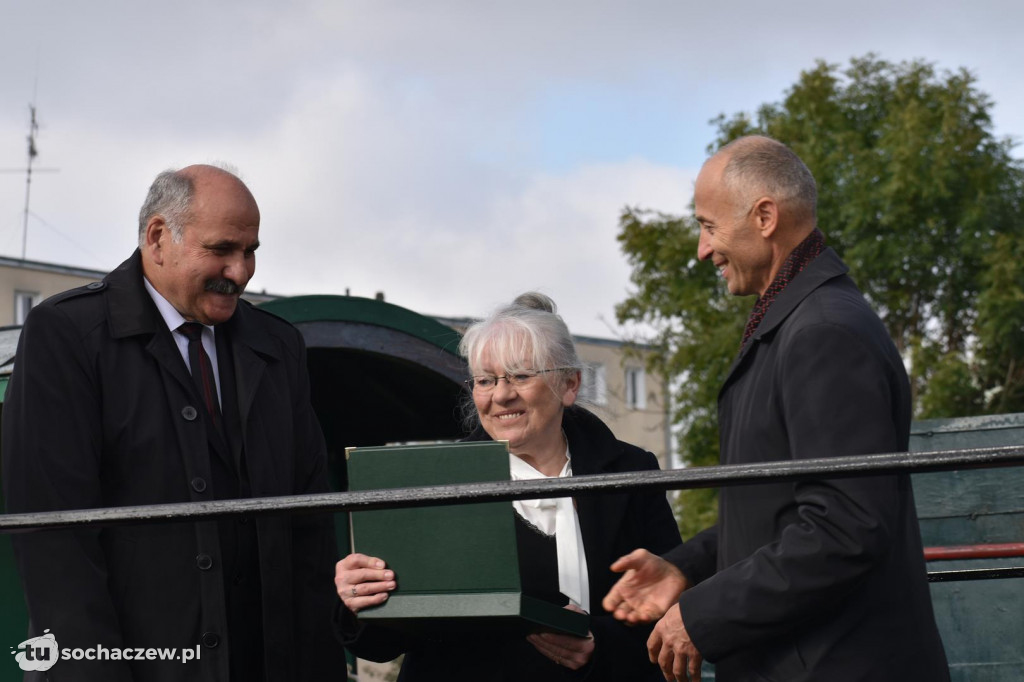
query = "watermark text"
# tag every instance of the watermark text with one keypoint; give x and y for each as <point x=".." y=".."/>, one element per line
<point x="42" y="653"/>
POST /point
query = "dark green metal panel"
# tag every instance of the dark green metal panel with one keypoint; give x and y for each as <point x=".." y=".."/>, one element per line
<point x="378" y="373"/>
<point x="322" y="308"/>
<point x="982" y="622"/>
<point x="13" y="614"/>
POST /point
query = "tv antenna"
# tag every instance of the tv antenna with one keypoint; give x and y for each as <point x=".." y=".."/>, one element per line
<point x="33" y="152"/>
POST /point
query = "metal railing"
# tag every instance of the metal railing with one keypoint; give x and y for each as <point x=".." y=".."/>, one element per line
<point x="470" y="493"/>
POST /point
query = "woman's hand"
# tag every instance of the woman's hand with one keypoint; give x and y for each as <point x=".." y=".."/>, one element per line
<point x="362" y="581"/>
<point x="566" y="650"/>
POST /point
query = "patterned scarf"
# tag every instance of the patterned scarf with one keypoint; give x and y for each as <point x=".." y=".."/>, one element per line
<point x="803" y="254"/>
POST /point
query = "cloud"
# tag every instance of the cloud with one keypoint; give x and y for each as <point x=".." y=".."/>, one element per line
<point x="556" y="233"/>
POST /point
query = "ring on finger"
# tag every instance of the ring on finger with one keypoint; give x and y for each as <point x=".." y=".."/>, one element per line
<point x="355" y="592"/>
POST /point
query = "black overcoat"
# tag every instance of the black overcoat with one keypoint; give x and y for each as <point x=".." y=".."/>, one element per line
<point x="101" y="411"/>
<point x="823" y="579"/>
<point x="612" y="525"/>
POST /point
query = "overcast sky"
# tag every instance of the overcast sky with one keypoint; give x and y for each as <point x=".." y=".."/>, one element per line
<point x="450" y="154"/>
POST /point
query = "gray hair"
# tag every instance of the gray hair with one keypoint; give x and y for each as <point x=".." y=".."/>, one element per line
<point x="169" y="196"/>
<point x="759" y="166"/>
<point x="525" y="334"/>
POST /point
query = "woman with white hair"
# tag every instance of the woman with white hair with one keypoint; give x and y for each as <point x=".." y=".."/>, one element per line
<point x="524" y="386"/>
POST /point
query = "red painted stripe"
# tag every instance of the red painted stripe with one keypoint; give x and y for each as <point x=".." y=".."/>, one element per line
<point x="990" y="551"/>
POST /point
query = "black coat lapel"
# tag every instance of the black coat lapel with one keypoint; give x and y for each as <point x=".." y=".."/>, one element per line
<point x="131" y="312"/>
<point x="820" y="270"/>
<point x="250" y="351"/>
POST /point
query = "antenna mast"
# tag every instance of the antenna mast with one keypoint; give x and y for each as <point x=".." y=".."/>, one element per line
<point x="32" y="154"/>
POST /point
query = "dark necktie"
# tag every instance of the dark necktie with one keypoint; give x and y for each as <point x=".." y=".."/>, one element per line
<point x="202" y="368"/>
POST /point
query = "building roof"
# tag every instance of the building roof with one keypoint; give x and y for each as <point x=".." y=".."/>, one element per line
<point x="51" y="267"/>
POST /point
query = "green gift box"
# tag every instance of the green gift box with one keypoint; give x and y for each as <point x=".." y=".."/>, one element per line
<point x="456" y="566"/>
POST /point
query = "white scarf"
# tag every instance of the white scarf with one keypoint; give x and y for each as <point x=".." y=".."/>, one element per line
<point x="557" y="517"/>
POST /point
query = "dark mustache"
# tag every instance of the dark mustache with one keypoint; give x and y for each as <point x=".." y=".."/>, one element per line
<point x="223" y="286"/>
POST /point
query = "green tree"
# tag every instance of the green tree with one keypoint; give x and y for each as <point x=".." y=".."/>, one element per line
<point x="699" y="325"/>
<point x="920" y="199"/>
<point x="1000" y="327"/>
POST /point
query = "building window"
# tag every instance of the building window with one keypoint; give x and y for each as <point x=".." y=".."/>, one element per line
<point x="636" y="391"/>
<point x="24" y="301"/>
<point x="595" y="388"/>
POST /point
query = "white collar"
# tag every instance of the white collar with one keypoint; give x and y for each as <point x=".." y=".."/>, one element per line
<point x="557" y="517"/>
<point x="172" y="318"/>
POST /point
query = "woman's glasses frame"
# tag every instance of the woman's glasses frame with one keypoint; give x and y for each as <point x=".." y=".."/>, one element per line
<point x="486" y="383"/>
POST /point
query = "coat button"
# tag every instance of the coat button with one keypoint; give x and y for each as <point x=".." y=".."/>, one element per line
<point x="198" y="484"/>
<point x="189" y="413"/>
<point x="210" y="640"/>
<point x="95" y="285"/>
<point x="204" y="562"/>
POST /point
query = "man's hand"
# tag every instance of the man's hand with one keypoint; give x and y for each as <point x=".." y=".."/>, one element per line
<point x="671" y="648"/>
<point x="650" y="586"/>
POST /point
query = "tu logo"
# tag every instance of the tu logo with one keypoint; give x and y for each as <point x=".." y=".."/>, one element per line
<point x="38" y="653"/>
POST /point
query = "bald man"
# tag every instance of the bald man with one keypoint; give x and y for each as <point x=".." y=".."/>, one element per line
<point x="799" y="582"/>
<point x="160" y="385"/>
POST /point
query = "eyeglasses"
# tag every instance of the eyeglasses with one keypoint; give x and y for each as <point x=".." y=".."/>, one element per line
<point x="486" y="383"/>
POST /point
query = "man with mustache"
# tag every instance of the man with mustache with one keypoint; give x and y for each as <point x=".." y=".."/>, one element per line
<point x="159" y="385"/>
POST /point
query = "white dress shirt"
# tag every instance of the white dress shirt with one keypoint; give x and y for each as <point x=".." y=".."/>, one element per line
<point x="557" y="517"/>
<point x="174" y="319"/>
